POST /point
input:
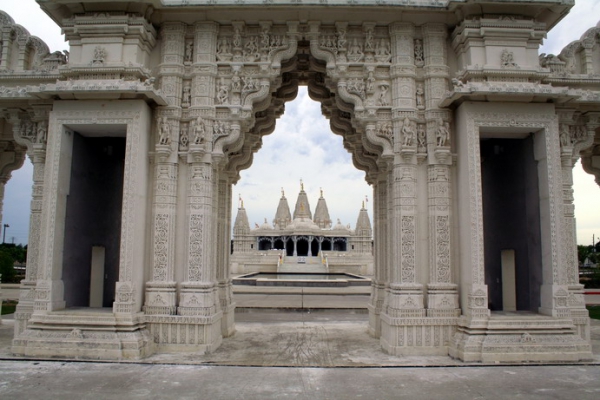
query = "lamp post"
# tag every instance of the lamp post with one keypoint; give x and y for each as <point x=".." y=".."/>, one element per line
<point x="4" y="234"/>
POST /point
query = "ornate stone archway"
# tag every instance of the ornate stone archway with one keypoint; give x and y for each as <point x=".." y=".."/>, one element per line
<point x="194" y="87"/>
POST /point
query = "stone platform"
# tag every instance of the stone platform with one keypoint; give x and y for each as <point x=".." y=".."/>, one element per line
<point x="275" y="338"/>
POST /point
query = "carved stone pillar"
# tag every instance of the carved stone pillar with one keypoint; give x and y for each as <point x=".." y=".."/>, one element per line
<point x="442" y="291"/>
<point x="380" y="213"/>
<point x="574" y="136"/>
<point x="161" y="289"/>
<point x="35" y="141"/>
<point x="198" y="294"/>
<point x="223" y="240"/>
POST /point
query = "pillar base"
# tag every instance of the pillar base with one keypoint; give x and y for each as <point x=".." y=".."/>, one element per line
<point x="227" y="307"/>
<point x="416" y="336"/>
<point x="175" y="333"/>
<point x="93" y="334"/>
<point x="161" y="298"/>
<point x="375" y="306"/>
<point x="518" y="338"/>
<point x="24" y="308"/>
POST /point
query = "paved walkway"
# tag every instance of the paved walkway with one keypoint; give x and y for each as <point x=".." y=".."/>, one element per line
<point x="296" y="355"/>
<point x="55" y="380"/>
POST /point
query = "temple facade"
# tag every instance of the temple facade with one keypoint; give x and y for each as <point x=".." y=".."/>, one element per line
<point x="301" y="242"/>
<point x="466" y="133"/>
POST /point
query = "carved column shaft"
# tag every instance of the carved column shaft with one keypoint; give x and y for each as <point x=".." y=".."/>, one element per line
<point x="161" y="290"/>
<point x="380" y="213"/>
<point x="405" y="298"/>
<point x="224" y="246"/>
<point x="204" y="69"/>
<point x="436" y="69"/>
<point x="36" y="149"/>
<point x="574" y="138"/>
<point x="403" y="69"/>
<point x="171" y="67"/>
<point x="442" y="291"/>
<point x="198" y="292"/>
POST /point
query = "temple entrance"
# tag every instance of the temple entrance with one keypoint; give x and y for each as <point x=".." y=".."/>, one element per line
<point x="328" y="175"/>
<point x="93" y="221"/>
<point x="302" y="247"/>
<point x="511" y="215"/>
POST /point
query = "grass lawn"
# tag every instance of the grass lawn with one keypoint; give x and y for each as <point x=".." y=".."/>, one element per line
<point x="8" y="306"/>
<point x="594" y="311"/>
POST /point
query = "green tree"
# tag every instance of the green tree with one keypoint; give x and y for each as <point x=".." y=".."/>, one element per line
<point x="6" y="267"/>
<point x="583" y="252"/>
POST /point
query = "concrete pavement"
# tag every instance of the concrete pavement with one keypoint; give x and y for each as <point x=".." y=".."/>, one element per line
<point x="55" y="380"/>
<point x="296" y="355"/>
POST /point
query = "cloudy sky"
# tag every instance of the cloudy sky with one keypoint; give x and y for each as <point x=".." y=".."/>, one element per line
<point x="302" y="147"/>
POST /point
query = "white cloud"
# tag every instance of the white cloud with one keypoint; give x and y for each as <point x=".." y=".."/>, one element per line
<point x="29" y="14"/>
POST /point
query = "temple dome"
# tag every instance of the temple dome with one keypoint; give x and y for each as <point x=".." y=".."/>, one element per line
<point x="266" y="226"/>
<point x="302" y="225"/>
<point x="341" y="228"/>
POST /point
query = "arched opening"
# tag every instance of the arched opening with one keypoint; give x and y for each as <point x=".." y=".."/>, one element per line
<point x="314" y="247"/>
<point x="302" y="247"/>
<point x="264" y="244"/>
<point x="289" y="248"/>
<point x="278" y="244"/>
<point x="339" y="244"/>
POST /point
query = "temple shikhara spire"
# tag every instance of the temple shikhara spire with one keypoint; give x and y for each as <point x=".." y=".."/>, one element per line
<point x="138" y="133"/>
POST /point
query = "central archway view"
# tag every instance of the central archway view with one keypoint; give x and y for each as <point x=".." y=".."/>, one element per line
<point x="302" y="220"/>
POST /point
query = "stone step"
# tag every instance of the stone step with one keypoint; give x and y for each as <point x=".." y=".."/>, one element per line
<point x="301" y="267"/>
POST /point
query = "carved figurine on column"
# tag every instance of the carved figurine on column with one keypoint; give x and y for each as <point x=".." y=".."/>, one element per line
<point x="186" y="97"/>
<point x="370" y="82"/>
<point x="199" y="132"/>
<point x="223" y="92"/>
<point x="420" y="94"/>
<point x="421" y="136"/>
<point x="41" y="132"/>
<point x="408" y="133"/>
<point x="419" y="60"/>
<point x="189" y="51"/>
<point x="382" y="101"/>
<point x="442" y="133"/>
<point x="565" y="138"/>
<point x="224" y="50"/>
<point x="184" y="137"/>
<point x="164" y="132"/>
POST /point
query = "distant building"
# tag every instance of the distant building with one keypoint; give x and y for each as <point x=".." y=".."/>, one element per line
<point x="304" y="242"/>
